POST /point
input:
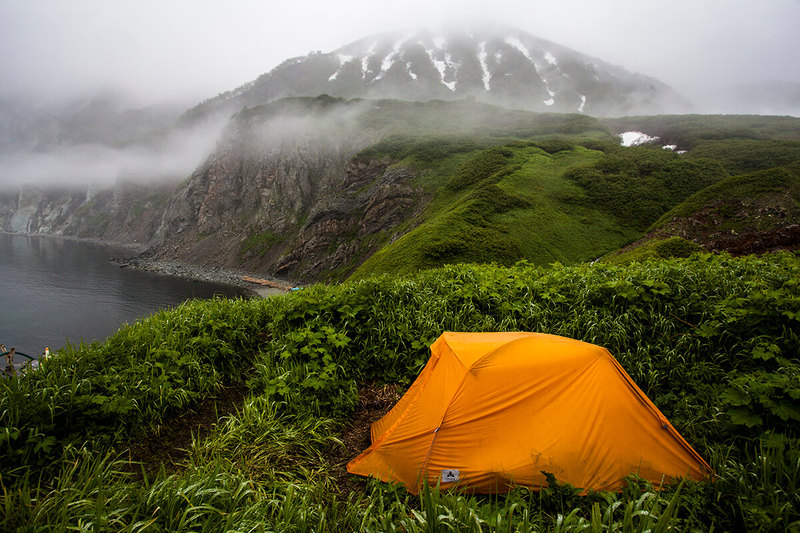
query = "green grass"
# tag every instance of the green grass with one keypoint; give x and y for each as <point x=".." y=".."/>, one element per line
<point x="712" y="340"/>
<point x="742" y="156"/>
<point x="508" y="203"/>
<point x="777" y="186"/>
<point x="654" y="250"/>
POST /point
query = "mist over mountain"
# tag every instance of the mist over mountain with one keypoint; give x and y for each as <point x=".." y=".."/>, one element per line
<point x="104" y="117"/>
<point x="104" y="137"/>
<point x="329" y="159"/>
<point x="99" y="140"/>
<point x="500" y="66"/>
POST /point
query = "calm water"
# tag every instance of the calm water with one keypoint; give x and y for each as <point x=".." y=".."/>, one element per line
<point x="53" y="290"/>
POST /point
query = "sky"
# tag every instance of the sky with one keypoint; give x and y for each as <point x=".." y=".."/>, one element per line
<point x="157" y="51"/>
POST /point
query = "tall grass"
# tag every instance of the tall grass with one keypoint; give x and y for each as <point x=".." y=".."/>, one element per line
<point x="712" y="340"/>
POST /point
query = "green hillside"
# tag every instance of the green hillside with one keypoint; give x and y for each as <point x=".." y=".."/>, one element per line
<point x="563" y="191"/>
<point x="545" y="201"/>
<point x="689" y="131"/>
<point x="746" y="213"/>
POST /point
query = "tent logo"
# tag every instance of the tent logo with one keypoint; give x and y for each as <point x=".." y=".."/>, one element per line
<point x="449" y="476"/>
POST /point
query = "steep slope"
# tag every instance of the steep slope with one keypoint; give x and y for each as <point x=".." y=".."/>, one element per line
<point x="126" y="214"/>
<point x="308" y="188"/>
<point x="749" y="213"/>
<point x="545" y="201"/>
<point x="501" y="66"/>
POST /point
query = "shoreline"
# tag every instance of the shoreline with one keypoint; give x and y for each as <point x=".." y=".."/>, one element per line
<point x="261" y="286"/>
<point x="224" y="276"/>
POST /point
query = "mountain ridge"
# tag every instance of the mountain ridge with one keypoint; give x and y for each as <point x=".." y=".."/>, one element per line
<point x="500" y="66"/>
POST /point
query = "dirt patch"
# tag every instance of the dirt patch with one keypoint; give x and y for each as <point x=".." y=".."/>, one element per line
<point x="767" y="223"/>
<point x="168" y="445"/>
<point x="374" y="401"/>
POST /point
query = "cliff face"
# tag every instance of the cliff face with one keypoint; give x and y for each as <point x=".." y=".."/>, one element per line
<point x="126" y="213"/>
<point x="283" y="195"/>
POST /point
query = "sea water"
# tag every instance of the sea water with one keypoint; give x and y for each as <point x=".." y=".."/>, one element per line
<point x="54" y="291"/>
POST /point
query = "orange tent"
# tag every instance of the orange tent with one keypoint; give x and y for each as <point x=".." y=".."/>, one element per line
<point x="492" y="410"/>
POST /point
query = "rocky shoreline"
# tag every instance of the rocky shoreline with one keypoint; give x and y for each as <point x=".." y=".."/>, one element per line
<point x="267" y="285"/>
<point x="225" y="276"/>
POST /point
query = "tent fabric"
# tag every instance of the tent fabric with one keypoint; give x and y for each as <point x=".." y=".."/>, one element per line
<point x="494" y="410"/>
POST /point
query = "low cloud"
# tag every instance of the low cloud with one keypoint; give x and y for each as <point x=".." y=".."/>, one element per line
<point x="173" y="158"/>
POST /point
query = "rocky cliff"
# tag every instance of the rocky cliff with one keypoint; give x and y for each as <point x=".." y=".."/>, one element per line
<point x="284" y="195"/>
<point x="126" y="213"/>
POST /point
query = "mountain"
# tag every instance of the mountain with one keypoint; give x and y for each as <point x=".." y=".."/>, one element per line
<point x="502" y="66"/>
<point x="439" y="153"/>
<point x="308" y="188"/>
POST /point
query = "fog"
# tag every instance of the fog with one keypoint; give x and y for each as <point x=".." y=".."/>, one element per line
<point x="723" y="55"/>
<point x="194" y="49"/>
<point x="173" y="157"/>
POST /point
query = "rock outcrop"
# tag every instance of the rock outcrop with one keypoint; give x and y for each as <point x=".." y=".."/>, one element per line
<point x="126" y="213"/>
<point x="284" y="195"/>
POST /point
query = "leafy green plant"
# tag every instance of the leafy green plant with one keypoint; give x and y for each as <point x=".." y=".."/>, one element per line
<point x="712" y="340"/>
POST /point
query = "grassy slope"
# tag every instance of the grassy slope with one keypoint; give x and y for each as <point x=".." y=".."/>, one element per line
<point x="545" y="201"/>
<point x="527" y="211"/>
<point x="745" y="187"/>
<point x="713" y="341"/>
<point x="575" y="202"/>
<point x="745" y="213"/>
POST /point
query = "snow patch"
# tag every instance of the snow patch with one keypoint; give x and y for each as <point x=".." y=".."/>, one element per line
<point x="386" y="64"/>
<point x="635" y="138"/>
<point x="486" y="77"/>
<point x="583" y="103"/>
<point x="550" y="59"/>
<point x="672" y="147"/>
<point x="343" y="58"/>
<point x="550" y="91"/>
<point x="516" y="43"/>
<point x="411" y="72"/>
<point x="366" y="58"/>
<point x="442" y="66"/>
<point x="389" y="60"/>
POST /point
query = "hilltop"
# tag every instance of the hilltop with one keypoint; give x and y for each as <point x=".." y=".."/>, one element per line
<point x="501" y="66"/>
